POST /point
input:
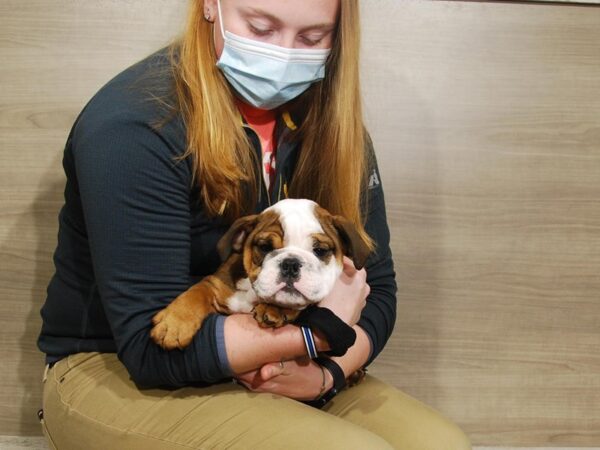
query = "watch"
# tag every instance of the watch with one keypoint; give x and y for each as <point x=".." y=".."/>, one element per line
<point x="339" y="382"/>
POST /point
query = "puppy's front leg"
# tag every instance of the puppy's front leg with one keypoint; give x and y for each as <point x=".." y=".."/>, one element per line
<point x="176" y="325"/>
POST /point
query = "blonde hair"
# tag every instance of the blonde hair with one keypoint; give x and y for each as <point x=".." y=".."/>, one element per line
<point x="332" y="164"/>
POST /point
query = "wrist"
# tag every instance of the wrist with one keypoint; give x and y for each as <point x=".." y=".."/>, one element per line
<point x="326" y="383"/>
<point x="328" y="380"/>
<point x="321" y="342"/>
<point x="334" y="381"/>
<point x="338" y="334"/>
<point x="363" y="349"/>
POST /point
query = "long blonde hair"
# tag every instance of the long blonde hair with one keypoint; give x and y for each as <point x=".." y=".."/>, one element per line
<point x="332" y="164"/>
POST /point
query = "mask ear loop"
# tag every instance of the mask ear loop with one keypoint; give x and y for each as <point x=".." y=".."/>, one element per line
<point x="220" y="19"/>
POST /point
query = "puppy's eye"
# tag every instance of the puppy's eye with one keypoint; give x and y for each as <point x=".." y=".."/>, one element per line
<point x="321" y="252"/>
<point x="265" y="247"/>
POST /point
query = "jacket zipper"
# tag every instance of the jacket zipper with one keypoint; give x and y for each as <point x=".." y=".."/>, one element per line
<point x="280" y="166"/>
<point x="262" y="185"/>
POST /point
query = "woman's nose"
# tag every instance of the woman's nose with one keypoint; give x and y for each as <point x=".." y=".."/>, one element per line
<point x="287" y="40"/>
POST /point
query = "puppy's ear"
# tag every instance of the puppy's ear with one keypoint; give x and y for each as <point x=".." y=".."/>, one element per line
<point x="233" y="240"/>
<point x="353" y="245"/>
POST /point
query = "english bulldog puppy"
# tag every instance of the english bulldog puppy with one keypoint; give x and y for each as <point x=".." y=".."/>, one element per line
<point x="275" y="264"/>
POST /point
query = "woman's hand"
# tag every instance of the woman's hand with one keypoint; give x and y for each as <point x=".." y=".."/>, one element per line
<point x="300" y="379"/>
<point x="349" y="294"/>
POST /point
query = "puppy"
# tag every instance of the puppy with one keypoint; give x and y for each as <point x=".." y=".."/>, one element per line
<point x="275" y="264"/>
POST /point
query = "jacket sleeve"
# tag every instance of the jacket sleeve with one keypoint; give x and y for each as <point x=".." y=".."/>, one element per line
<point x="379" y="315"/>
<point x="135" y="200"/>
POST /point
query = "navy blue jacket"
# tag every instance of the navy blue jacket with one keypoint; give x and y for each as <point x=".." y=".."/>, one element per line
<point x="133" y="236"/>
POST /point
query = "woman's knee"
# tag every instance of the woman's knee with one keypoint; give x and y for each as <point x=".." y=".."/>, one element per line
<point x="403" y="421"/>
<point x="444" y="435"/>
<point x="333" y="434"/>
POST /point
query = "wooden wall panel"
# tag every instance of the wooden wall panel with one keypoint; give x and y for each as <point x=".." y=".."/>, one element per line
<point x="54" y="57"/>
<point x="486" y="121"/>
<point x="486" y="118"/>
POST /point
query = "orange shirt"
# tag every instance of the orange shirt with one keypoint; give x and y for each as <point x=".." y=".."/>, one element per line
<point x="262" y="121"/>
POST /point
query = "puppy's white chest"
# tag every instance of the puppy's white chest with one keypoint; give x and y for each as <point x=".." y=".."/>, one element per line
<point x="244" y="298"/>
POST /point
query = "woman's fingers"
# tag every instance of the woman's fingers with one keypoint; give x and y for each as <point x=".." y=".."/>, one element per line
<point x="348" y="267"/>
<point x="272" y="370"/>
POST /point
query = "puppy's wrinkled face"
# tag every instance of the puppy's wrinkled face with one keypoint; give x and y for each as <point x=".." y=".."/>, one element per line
<point x="293" y="255"/>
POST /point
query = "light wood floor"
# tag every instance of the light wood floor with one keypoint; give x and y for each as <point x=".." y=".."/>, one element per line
<point x="38" y="443"/>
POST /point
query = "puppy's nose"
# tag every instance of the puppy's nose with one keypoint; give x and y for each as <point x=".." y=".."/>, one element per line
<point x="290" y="268"/>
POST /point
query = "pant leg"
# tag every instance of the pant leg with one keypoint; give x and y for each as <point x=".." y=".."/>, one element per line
<point x="90" y="403"/>
<point x="401" y="420"/>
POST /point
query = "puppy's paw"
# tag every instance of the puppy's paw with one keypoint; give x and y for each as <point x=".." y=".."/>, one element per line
<point x="174" y="327"/>
<point x="271" y="316"/>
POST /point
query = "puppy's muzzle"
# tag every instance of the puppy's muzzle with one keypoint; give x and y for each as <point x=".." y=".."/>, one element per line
<point x="290" y="270"/>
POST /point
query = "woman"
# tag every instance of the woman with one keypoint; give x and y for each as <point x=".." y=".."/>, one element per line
<point x="158" y="164"/>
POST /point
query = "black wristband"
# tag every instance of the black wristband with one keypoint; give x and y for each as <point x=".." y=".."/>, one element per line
<point x="339" y="382"/>
<point x="340" y="336"/>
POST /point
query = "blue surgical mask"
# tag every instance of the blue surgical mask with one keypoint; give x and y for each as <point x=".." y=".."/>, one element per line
<point x="266" y="75"/>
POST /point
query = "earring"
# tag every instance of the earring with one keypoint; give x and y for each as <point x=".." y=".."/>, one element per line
<point x="207" y="16"/>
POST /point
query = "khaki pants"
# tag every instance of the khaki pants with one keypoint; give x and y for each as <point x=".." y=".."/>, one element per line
<point x="90" y="403"/>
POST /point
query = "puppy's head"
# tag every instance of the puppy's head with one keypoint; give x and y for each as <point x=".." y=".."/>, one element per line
<point x="293" y="251"/>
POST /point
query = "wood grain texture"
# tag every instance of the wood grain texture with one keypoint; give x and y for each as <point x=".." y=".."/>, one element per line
<point x="486" y="120"/>
<point x="55" y="56"/>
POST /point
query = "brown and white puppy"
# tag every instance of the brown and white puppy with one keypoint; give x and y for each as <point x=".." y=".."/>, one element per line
<point x="275" y="264"/>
